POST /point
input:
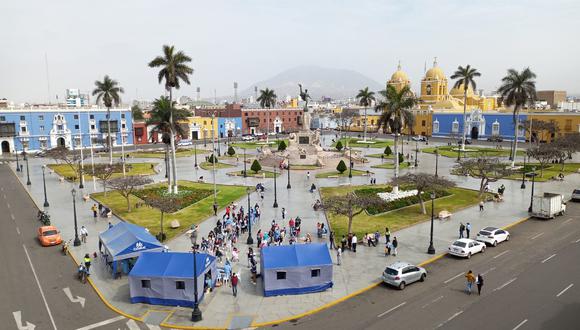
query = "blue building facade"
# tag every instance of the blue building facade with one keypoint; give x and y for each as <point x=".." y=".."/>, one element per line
<point x="480" y="125"/>
<point x="39" y="129"/>
<point x="229" y="126"/>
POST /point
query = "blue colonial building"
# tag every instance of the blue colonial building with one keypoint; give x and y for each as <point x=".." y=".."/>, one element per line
<point x="34" y="129"/>
<point x="480" y="125"/>
<point x="229" y="126"/>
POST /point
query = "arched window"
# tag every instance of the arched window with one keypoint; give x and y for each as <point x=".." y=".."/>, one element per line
<point x="495" y="128"/>
<point x="455" y="126"/>
<point x="436" y="126"/>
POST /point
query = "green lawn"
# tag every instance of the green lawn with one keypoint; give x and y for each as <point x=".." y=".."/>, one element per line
<point x="353" y="142"/>
<point x="337" y="174"/>
<point x="471" y="152"/>
<point x="391" y="156"/>
<point x="396" y="219"/>
<point x="390" y="166"/>
<point x="209" y="166"/>
<point x="150" y="218"/>
<point x="251" y="174"/>
<point x="550" y="171"/>
<point x="256" y="144"/>
<point x="132" y="169"/>
<point x="161" y="154"/>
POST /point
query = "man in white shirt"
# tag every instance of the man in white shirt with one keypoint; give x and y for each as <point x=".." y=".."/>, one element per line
<point x="354" y="241"/>
<point x="84" y="233"/>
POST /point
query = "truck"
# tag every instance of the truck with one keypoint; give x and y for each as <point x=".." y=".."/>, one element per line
<point x="548" y="206"/>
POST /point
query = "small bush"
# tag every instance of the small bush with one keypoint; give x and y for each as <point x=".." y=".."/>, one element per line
<point x="341" y="167"/>
<point x="339" y="146"/>
<point x="256" y="167"/>
<point x="282" y="146"/>
<point x="212" y="159"/>
<point x="401" y="158"/>
<point x="388" y="151"/>
<point x="231" y="151"/>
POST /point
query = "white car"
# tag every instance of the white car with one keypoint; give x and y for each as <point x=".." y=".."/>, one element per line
<point x="247" y="138"/>
<point x="492" y="235"/>
<point x="465" y="247"/>
<point x="183" y="143"/>
<point x="419" y="138"/>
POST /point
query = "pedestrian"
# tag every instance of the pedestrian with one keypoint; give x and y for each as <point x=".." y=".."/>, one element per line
<point x="331" y="239"/>
<point x="110" y="225"/>
<point x="308" y="175"/>
<point x="470" y="280"/>
<point x="283" y="213"/>
<point x="387" y="235"/>
<point x="480" y="205"/>
<point x="467" y="229"/>
<point x="461" y="229"/>
<point x="87" y="261"/>
<point x="479" y="282"/>
<point x="235" y="284"/>
<point x="343" y="243"/>
<point x="253" y="270"/>
<point x="354" y="241"/>
<point x="94" y="209"/>
<point x="84" y="234"/>
<point x="395" y="245"/>
<point x="339" y="256"/>
<point x="250" y="256"/>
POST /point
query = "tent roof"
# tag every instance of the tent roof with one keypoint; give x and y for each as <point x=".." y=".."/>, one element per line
<point x="170" y="264"/>
<point x="126" y="238"/>
<point x="296" y="255"/>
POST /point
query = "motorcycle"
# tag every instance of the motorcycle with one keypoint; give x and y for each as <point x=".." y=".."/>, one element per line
<point x="82" y="274"/>
<point x="44" y="218"/>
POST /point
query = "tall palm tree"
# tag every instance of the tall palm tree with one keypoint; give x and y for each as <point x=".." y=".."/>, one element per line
<point x="108" y="92"/>
<point x="517" y="90"/>
<point x="163" y="118"/>
<point x="174" y="68"/>
<point x="396" y="115"/>
<point x="267" y="99"/>
<point x="465" y="77"/>
<point x="365" y="99"/>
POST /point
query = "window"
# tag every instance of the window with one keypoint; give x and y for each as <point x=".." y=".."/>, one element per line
<point x="423" y="123"/>
<point x="92" y="116"/>
<point x="41" y="127"/>
<point x="436" y="126"/>
<point x="568" y="126"/>
<point x="59" y="127"/>
<point x="76" y="116"/>
<point x="103" y="126"/>
<point x="41" y="117"/>
<point x="280" y="275"/>
<point x="123" y="126"/>
<point x="43" y="144"/>
<point x="179" y="285"/>
<point x="315" y="273"/>
<point x="146" y="284"/>
<point x="23" y="129"/>
<point x="2" y="118"/>
<point x="455" y="126"/>
<point x="76" y="126"/>
<point x="92" y="127"/>
<point x="407" y="270"/>
<point x="22" y="118"/>
<point x="122" y="116"/>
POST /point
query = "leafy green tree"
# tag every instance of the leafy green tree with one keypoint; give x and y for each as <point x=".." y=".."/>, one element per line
<point x="256" y="167"/>
<point x="388" y="151"/>
<point x="339" y="146"/>
<point x="282" y="146"/>
<point x="401" y="159"/>
<point x="231" y="151"/>
<point x="108" y="92"/>
<point x="137" y="112"/>
<point x="465" y="78"/>
<point x="341" y="167"/>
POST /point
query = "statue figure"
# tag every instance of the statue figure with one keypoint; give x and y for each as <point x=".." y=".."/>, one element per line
<point x="304" y="96"/>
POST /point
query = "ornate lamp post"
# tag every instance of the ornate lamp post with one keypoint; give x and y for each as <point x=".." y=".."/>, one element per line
<point x="17" y="163"/>
<point x="195" y="154"/>
<point x="458" y="153"/>
<point x="523" y="185"/>
<point x="350" y="162"/>
<point x="533" y="174"/>
<point x="205" y="137"/>
<point x="216" y="114"/>
<point x="416" y="152"/>
<point x="275" y="193"/>
<point x="431" y="249"/>
<point x="28" y="183"/>
<point x="77" y="241"/>
<point x="196" y="315"/>
<point x="81" y="185"/>
<point x="288" y="186"/>
<point x="215" y="204"/>
<point x="44" y="184"/>
<point x="245" y="171"/>
<point x="436" y="161"/>
<point x="250" y="239"/>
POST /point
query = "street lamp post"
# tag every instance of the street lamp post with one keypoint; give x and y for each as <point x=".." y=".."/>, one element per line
<point x="288" y="186"/>
<point x="44" y="184"/>
<point x="275" y="193"/>
<point x="245" y="172"/>
<point x="28" y="183"/>
<point x="431" y="249"/>
<point x="523" y="185"/>
<point x="17" y="163"/>
<point x="77" y="241"/>
<point x="250" y="239"/>
<point x="81" y="181"/>
<point x="416" y="152"/>
<point x="436" y="161"/>
<point x="350" y="162"/>
<point x="458" y="153"/>
<point x="195" y="154"/>
<point x="215" y="204"/>
<point x="533" y="174"/>
<point x="196" y="315"/>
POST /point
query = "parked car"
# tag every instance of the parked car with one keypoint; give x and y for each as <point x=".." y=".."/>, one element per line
<point x="576" y="195"/>
<point x="49" y="235"/>
<point x="402" y="273"/>
<point x="492" y="235"/>
<point x="419" y="138"/>
<point x="247" y="137"/>
<point x="183" y="143"/>
<point x="465" y="247"/>
<point x="495" y="139"/>
<point x="467" y="142"/>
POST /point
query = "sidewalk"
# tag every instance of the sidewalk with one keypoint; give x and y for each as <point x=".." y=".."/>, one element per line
<point x="360" y="271"/>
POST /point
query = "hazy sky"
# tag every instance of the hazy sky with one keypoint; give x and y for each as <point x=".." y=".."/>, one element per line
<point x="251" y="40"/>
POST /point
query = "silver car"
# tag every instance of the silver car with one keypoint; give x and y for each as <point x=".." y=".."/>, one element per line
<point x="402" y="273"/>
<point x="576" y="195"/>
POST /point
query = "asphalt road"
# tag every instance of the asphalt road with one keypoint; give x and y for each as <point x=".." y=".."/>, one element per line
<point x="35" y="280"/>
<point x="531" y="282"/>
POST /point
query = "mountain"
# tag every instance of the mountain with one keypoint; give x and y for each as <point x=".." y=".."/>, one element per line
<point x="334" y="83"/>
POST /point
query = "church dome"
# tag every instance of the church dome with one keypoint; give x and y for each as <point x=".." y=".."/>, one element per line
<point x="399" y="75"/>
<point x="435" y="73"/>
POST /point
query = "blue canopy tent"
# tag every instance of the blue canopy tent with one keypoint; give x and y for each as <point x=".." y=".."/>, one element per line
<point x="296" y="269"/>
<point x="126" y="241"/>
<point x="167" y="278"/>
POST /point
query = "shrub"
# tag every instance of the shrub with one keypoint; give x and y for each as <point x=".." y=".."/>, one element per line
<point x="388" y="151"/>
<point x="212" y="159"/>
<point x="282" y="146"/>
<point x="256" y="167"/>
<point x="341" y="167"/>
<point x="339" y="146"/>
<point x="401" y="158"/>
<point x="231" y="151"/>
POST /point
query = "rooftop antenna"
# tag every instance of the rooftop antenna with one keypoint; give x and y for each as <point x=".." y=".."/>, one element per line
<point x="235" y="92"/>
<point x="198" y="91"/>
<point x="425" y="67"/>
<point x="47" y="77"/>
<point x="255" y="93"/>
<point x="215" y="97"/>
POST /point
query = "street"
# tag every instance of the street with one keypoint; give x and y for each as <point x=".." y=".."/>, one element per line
<point x="39" y="284"/>
<point x="531" y="282"/>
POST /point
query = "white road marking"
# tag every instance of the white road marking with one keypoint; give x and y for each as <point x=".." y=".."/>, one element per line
<point x="505" y="284"/>
<point x="487" y="271"/>
<point x="577" y="241"/>
<point x="100" y="324"/>
<point x="132" y="325"/>
<point x="536" y="236"/>
<point x="519" y="325"/>
<point x="152" y="327"/>
<point x="78" y="299"/>
<point x="12" y="216"/>
<point x="39" y="287"/>
<point x="454" y="277"/>
<point x="566" y="289"/>
<point x="433" y="301"/>
<point x="449" y="319"/>
<point x="8" y="205"/>
<point x="18" y="230"/>
<point x="501" y="254"/>
<point x="548" y="258"/>
<point x="568" y="220"/>
<point x="18" y="319"/>
<point x="392" y="309"/>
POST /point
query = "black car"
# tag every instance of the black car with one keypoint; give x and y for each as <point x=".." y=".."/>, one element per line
<point x="466" y="142"/>
<point x="494" y="139"/>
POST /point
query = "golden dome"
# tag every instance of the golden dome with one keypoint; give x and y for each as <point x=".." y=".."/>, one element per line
<point x="435" y="73"/>
<point x="399" y="75"/>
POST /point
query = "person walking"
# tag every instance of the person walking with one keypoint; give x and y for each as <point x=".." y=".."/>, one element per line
<point x="283" y="213"/>
<point x="339" y="256"/>
<point x="461" y="229"/>
<point x="481" y="206"/>
<point x="467" y="229"/>
<point x="94" y="209"/>
<point x="84" y="234"/>
<point x="308" y="175"/>
<point x="387" y="235"/>
<point x="235" y="284"/>
<point x="388" y="248"/>
<point x="395" y="245"/>
<point x="354" y="241"/>
<point x="479" y="282"/>
<point x="343" y="243"/>
<point x="470" y="280"/>
<point x="87" y="261"/>
<point x="331" y="239"/>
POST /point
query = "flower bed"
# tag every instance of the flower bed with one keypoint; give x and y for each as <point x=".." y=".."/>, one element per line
<point x="394" y="204"/>
<point x="186" y="196"/>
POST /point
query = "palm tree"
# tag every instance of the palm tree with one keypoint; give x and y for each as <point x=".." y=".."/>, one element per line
<point x="396" y="115"/>
<point x="517" y="90"/>
<point x="365" y="99"/>
<point x="163" y="118"/>
<point x="174" y="69"/>
<point x="267" y="99"/>
<point x="465" y="77"/>
<point x="107" y="92"/>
